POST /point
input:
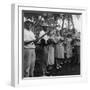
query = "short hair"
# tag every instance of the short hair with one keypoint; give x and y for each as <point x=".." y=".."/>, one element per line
<point x="42" y="42"/>
<point x="69" y="35"/>
<point x="44" y="28"/>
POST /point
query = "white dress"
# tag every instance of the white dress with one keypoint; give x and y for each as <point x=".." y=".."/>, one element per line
<point x="51" y="52"/>
<point x="50" y="55"/>
<point x="69" y="48"/>
<point x="59" y="49"/>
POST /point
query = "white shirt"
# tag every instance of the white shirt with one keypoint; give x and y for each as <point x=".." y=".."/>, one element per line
<point x="45" y="37"/>
<point x="29" y="36"/>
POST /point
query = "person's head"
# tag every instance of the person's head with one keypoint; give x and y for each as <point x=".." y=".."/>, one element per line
<point x="28" y="25"/>
<point x="42" y="42"/>
<point x="44" y="28"/>
<point x="69" y="36"/>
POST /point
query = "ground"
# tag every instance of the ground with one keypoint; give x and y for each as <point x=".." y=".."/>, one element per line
<point x="66" y="69"/>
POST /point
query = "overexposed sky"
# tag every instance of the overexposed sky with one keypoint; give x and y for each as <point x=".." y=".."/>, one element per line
<point x="77" y="22"/>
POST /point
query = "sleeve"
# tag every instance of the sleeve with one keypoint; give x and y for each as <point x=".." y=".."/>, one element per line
<point x="41" y="33"/>
<point x="25" y="35"/>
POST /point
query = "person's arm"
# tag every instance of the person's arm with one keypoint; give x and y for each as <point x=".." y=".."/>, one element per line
<point x="28" y="42"/>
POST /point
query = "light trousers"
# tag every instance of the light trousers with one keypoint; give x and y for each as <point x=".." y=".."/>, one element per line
<point x="29" y="61"/>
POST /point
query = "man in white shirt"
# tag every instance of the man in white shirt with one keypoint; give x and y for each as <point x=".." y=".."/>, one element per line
<point x="29" y="50"/>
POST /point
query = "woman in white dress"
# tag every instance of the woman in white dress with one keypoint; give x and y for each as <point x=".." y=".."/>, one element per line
<point x="59" y="50"/>
<point x="51" y="41"/>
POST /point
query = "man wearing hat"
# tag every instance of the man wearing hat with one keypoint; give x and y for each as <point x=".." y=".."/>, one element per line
<point x="29" y="50"/>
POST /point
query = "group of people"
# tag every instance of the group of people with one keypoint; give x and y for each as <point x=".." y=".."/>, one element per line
<point x="55" y="49"/>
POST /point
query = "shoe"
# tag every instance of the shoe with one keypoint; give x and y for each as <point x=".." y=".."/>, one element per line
<point x="59" y="67"/>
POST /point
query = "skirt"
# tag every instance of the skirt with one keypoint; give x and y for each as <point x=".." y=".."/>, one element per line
<point x="50" y="55"/>
<point x="59" y="51"/>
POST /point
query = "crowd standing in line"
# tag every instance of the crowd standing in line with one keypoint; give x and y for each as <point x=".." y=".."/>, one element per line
<point x="56" y="46"/>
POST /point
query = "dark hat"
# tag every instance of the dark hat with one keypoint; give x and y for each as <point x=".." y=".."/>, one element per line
<point x="28" y="23"/>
